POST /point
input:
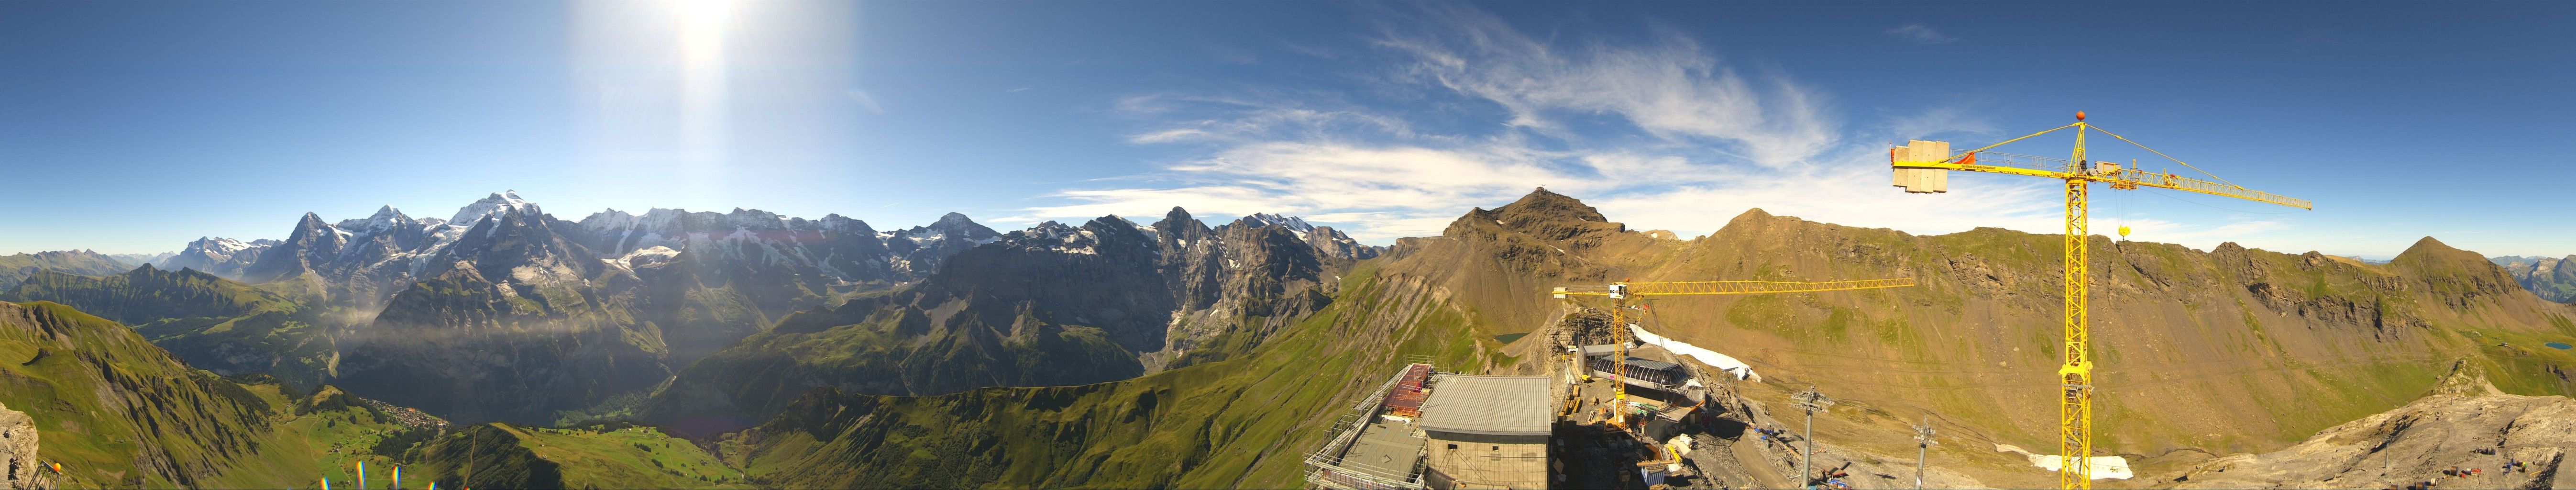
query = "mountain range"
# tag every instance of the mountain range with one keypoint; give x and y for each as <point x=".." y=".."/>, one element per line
<point x="560" y="319"/>
<point x="16" y="268"/>
<point x="825" y="353"/>
<point x="2552" y="279"/>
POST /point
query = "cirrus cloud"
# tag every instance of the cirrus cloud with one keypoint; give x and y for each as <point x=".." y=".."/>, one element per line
<point x="1467" y="110"/>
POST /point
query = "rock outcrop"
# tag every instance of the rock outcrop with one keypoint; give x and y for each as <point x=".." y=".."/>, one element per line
<point x="2452" y="440"/>
<point x="19" y="467"/>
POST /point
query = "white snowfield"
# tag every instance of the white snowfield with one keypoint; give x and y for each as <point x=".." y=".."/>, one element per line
<point x="1705" y="356"/>
<point x="2104" y="467"/>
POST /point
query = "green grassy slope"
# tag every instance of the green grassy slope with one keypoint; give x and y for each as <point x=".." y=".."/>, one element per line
<point x="214" y="323"/>
<point x="2227" y="350"/>
<point x="1236" y="422"/>
<point x="501" y="455"/>
<point x="872" y="347"/>
<point x="120" y="412"/>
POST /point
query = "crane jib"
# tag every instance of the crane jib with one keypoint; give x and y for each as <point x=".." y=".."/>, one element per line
<point x="1922" y="167"/>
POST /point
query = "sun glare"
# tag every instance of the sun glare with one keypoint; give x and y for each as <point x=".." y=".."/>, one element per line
<point x="702" y="29"/>
<point x="702" y="33"/>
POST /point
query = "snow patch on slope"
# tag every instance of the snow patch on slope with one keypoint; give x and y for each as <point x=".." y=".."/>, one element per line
<point x="1705" y="356"/>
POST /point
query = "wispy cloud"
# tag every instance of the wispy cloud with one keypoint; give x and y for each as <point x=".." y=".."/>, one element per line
<point x="1021" y="89"/>
<point x="1658" y="135"/>
<point x="865" y="100"/>
<point x="1920" y="34"/>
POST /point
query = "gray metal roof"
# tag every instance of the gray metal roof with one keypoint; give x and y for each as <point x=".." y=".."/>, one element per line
<point x="1489" y="405"/>
<point x="1652" y="364"/>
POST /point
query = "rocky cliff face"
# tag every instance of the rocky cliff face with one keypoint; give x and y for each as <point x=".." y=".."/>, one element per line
<point x="1238" y="283"/>
<point x="19" y="466"/>
<point x="920" y="250"/>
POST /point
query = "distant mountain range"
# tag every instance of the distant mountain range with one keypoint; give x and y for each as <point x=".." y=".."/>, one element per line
<point x="17" y="267"/>
<point x="1050" y="305"/>
<point x="2552" y="279"/>
<point x="557" y="318"/>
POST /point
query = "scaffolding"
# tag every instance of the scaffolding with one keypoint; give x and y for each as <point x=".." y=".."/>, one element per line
<point x="1411" y="389"/>
<point x="1332" y="466"/>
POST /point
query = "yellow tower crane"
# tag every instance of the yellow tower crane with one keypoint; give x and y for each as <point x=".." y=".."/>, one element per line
<point x="1923" y="167"/>
<point x="1622" y="293"/>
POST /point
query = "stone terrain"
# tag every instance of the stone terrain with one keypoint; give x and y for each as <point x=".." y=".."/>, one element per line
<point x="2478" y="432"/>
<point x="20" y="467"/>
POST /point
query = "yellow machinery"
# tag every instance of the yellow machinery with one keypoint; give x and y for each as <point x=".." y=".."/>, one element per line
<point x="1923" y="167"/>
<point x="1621" y="294"/>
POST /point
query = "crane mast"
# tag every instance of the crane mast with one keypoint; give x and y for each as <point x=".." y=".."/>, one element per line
<point x="1923" y="167"/>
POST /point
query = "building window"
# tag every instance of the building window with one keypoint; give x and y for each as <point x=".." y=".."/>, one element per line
<point x="1498" y="448"/>
<point x="1453" y="446"/>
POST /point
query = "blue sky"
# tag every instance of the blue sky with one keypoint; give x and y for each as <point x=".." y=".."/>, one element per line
<point x="137" y="126"/>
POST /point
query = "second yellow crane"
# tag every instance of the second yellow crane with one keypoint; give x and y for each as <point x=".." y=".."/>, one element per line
<point x="1924" y="167"/>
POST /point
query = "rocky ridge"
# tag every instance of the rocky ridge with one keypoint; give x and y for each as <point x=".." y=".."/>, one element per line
<point x="1050" y="305"/>
<point x="20" y="468"/>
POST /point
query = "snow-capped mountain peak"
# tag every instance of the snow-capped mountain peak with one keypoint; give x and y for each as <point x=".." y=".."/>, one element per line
<point x="385" y="218"/>
<point x="1293" y="223"/>
<point x="498" y="202"/>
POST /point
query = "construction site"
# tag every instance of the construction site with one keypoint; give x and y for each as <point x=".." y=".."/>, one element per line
<point x="1682" y="424"/>
<point x="1613" y="410"/>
